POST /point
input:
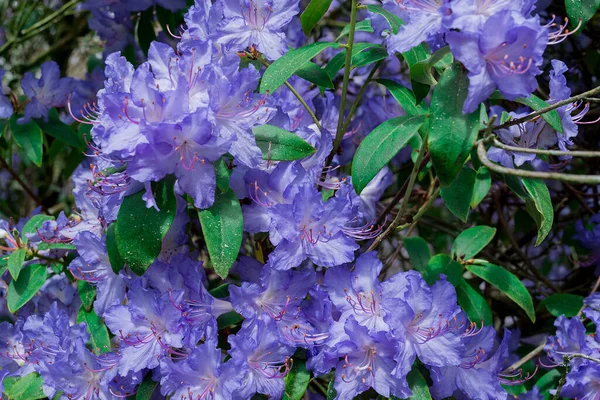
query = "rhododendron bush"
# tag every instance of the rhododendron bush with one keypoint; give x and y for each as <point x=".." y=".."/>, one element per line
<point x="293" y="199"/>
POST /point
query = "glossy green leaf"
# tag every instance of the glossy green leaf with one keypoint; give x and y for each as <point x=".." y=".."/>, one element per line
<point x="418" y="385"/>
<point x="31" y="279"/>
<point x="87" y="294"/>
<point x="285" y="66"/>
<point x="312" y="14"/>
<point x="147" y="388"/>
<point x="140" y="230"/>
<point x="296" y="381"/>
<point x="15" y="262"/>
<point x="361" y="26"/>
<point x="457" y="196"/>
<point x="473" y="303"/>
<point x="314" y="74"/>
<point x="412" y="57"/>
<point x="452" y="134"/>
<point x="144" y="29"/>
<point x="221" y="291"/>
<point x="539" y="207"/>
<point x="563" y="304"/>
<point x="278" y="144"/>
<point x="99" y="338"/>
<point x="507" y="283"/>
<point x="61" y="131"/>
<point x="56" y="246"/>
<point x="404" y="97"/>
<point x="548" y="381"/>
<point x="28" y="387"/>
<point x="582" y="10"/>
<point x="442" y="264"/>
<point x="29" y="137"/>
<point x="228" y="319"/>
<point x="551" y="117"/>
<point x="421" y="71"/>
<point x="338" y="61"/>
<point x="115" y="259"/>
<point x="222" y="226"/>
<point x="380" y="146"/>
<point x="331" y="392"/>
<point x="483" y="183"/>
<point x="393" y="20"/>
<point x="34" y="224"/>
<point x="369" y="56"/>
<point x="418" y="252"/>
<point x="471" y="241"/>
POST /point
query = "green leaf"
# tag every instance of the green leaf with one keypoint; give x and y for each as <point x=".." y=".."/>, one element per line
<point x="29" y="137"/>
<point x="99" y="338"/>
<point x="20" y="291"/>
<point x="418" y="385"/>
<point x="331" y="392"/>
<point x="380" y="146"/>
<point x="140" y="230"/>
<point x="507" y="283"/>
<point x="285" y="66"/>
<point x="472" y="241"/>
<point x="457" y="196"/>
<point x="15" y="262"/>
<point x="144" y="30"/>
<point x="296" y="381"/>
<point x="361" y="26"/>
<point x="539" y="207"/>
<point x="312" y="14"/>
<point x="87" y="294"/>
<point x="28" y="387"/>
<point x="563" y="304"/>
<point x="221" y="291"/>
<point x="394" y="21"/>
<point x="404" y="97"/>
<point x="228" y="319"/>
<point x="56" y="246"/>
<point x="418" y="252"/>
<point x="34" y="224"/>
<point x="61" y="131"/>
<point x="369" y="56"/>
<point x="222" y="226"/>
<point x="452" y="134"/>
<point x="442" y="264"/>
<point x="278" y="144"/>
<point x="146" y="389"/>
<point x="223" y="174"/>
<point x="536" y="104"/>
<point x="473" y="303"/>
<point x="548" y="381"/>
<point x="421" y="71"/>
<point x="483" y="183"/>
<point x="338" y="61"/>
<point x="313" y="73"/>
<point x="582" y="10"/>
<point x="115" y="259"/>
<point x="412" y="57"/>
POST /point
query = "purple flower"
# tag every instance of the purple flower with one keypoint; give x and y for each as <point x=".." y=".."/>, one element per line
<point x="477" y="375"/>
<point x="310" y="228"/>
<point x="570" y="338"/>
<point x="266" y="361"/>
<point x="425" y="20"/>
<point x="256" y="23"/>
<point x="583" y="382"/>
<point x="590" y="239"/>
<point x="592" y="308"/>
<point x="508" y="59"/>
<point x="93" y="266"/>
<point x="368" y="361"/>
<point x="50" y="90"/>
<point x="6" y="108"/>
<point x="470" y="15"/>
<point x="201" y="375"/>
<point x="148" y="328"/>
<point x="187" y="150"/>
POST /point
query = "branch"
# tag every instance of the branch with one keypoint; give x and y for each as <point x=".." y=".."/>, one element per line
<point x="26" y="188"/>
<point x="574" y="153"/>
<point x="532" y="354"/>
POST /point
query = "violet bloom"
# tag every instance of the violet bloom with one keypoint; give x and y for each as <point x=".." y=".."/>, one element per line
<point x="310" y="228"/>
<point x="93" y="266"/>
<point x="258" y="23"/>
<point x="583" y="382"/>
<point x="256" y="348"/>
<point x="278" y="293"/>
<point x="6" y="108"/>
<point x="590" y="240"/>
<point x="50" y="90"/>
<point x="368" y="361"/>
<point x="592" y="308"/>
<point x="477" y="375"/>
<point x="148" y="328"/>
<point x="425" y="20"/>
<point x="187" y="150"/>
<point x="470" y="15"/>
<point x="424" y="318"/>
<point x="508" y="59"/>
<point x="202" y="375"/>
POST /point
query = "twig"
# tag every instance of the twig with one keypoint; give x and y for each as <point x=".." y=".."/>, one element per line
<point x="359" y="96"/>
<point x="574" y="153"/>
<point x="532" y="354"/>
<point x="26" y="188"/>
